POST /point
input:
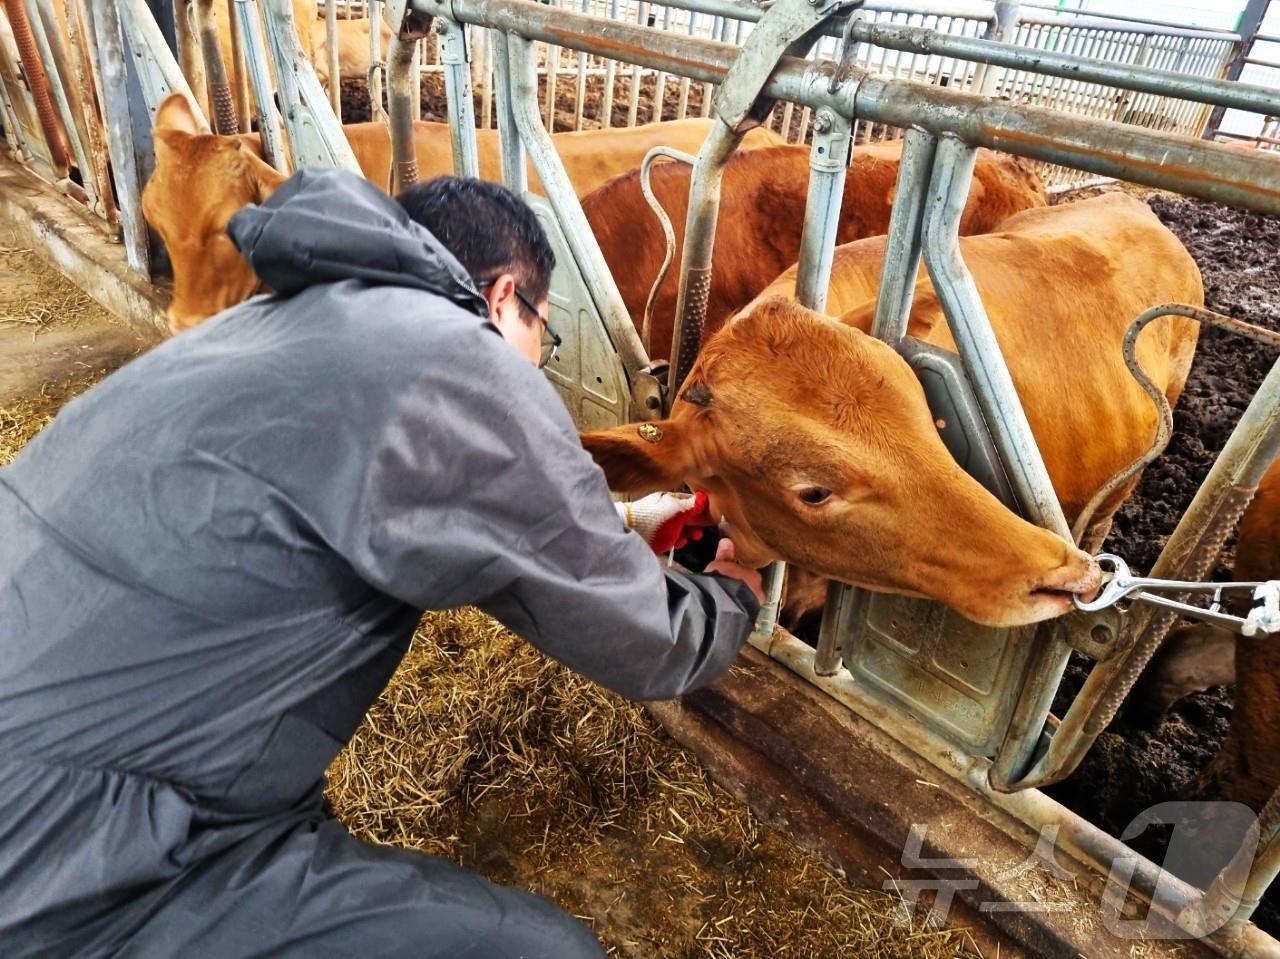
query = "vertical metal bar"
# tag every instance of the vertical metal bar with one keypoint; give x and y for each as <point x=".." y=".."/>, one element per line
<point x="829" y="166"/>
<point x="1248" y="26"/>
<point x="553" y="77"/>
<point x="124" y="165"/>
<point x="610" y="73"/>
<point x="239" y="74"/>
<point x="486" y="80"/>
<point x="377" y="62"/>
<point x="224" y="111"/>
<point x="189" y="55"/>
<point x="457" y="91"/>
<point x="514" y="173"/>
<point x="979" y="351"/>
<point x="402" y="75"/>
<point x="415" y="88"/>
<point x="682" y="107"/>
<point x="254" y="48"/>
<point x="331" y="54"/>
<point x="660" y="81"/>
<point x="580" y="91"/>
<point x="633" y="98"/>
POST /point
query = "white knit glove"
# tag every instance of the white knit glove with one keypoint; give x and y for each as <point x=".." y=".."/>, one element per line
<point x="666" y="521"/>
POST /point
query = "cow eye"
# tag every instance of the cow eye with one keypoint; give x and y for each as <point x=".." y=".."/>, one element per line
<point x="815" y="495"/>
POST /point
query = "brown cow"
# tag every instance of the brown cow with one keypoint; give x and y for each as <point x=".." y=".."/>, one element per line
<point x="815" y="442"/>
<point x="353" y="48"/>
<point x="761" y="218"/>
<point x="200" y="180"/>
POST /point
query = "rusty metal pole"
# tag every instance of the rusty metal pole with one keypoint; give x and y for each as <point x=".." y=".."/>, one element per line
<point x="224" y="108"/>
<point x="39" y="84"/>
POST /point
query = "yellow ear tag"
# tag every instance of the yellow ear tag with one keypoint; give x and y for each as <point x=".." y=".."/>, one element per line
<point x="650" y="433"/>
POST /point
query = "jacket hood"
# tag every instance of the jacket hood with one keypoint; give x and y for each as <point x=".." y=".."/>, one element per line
<point x="323" y="226"/>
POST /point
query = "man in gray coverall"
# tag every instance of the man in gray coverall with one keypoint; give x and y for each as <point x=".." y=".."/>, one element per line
<point x="211" y="563"/>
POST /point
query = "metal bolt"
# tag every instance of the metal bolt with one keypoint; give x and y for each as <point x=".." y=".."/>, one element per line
<point x="823" y="121"/>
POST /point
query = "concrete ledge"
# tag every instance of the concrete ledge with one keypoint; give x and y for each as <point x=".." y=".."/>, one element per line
<point x="80" y="247"/>
<point x="844" y="789"/>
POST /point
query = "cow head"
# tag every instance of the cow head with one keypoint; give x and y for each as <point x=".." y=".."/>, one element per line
<point x="200" y="180"/>
<point x="815" y="442"/>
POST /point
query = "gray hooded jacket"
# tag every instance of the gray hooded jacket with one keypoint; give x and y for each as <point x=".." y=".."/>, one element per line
<point x="211" y="562"/>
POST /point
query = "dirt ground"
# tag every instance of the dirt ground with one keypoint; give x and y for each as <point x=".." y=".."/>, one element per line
<point x="484" y="751"/>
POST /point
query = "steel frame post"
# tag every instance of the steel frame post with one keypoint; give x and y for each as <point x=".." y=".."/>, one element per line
<point x="157" y="71"/>
<point x="315" y="136"/>
<point x="455" y="57"/>
<point x="1001" y="29"/>
<point x="514" y="172"/>
<point x="788" y="27"/>
<point x="568" y="210"/>
<point x="239" y="73"/>
<point x="256" y="61"/>
<point x="1250" y="24"/>
<point x="124" y="166"/>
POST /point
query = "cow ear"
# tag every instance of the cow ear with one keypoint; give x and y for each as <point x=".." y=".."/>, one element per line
<point x="643" y="457"/>
<point x="266" y="178"/>
<point x="175" y="114"/>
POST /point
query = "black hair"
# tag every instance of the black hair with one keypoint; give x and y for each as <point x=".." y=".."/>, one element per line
<point x="487" y="228"/>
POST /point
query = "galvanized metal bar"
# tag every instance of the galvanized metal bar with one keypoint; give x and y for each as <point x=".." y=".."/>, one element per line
<point x="1196" y="168"/>
<point x="84" y="58"/>
<point x="979" y="352"/>
<point x="514" y="172"/>
<point x="457" y="90"/>
<point x="1232" y="94"/>
<point x="1250" y="450"/>
<point x="245" y="13"/>
<point x="552" y="75"/>
<point x="239" y="73"/>
<point x="189" y="55"/>
<point x="564" y="201"/>
<point x="633" y="92"/>
<point x="377" y="62"/>
<point x="610" y="72"/>
<point x="902" y="252"/>
<point x="331" y="55"/>
<point x="124" y="163"/>
<point x="1251" y="18"/>
<point x="157" y="72"/>
<point x="314" y="133"/>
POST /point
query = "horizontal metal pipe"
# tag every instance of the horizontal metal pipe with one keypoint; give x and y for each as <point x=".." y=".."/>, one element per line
<point x="1194" y="167"/>
<point x="1231" y="94"/>
<point x="1079" y="21"/>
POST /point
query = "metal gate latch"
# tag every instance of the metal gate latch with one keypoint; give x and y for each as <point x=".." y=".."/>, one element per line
<point x="1120" y="585"/>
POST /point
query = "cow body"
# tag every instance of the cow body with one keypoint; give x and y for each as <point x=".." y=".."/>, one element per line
<point x="353" y="48"/>
<point x="761" y="219"/>
<point x="814" y="441"/>
<point x="200" y="180"/>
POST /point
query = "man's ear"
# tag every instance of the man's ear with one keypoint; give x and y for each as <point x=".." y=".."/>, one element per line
<point x="644" y="457"/>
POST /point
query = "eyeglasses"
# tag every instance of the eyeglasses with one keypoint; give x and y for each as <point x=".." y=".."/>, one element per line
<point x="550" y="339"/>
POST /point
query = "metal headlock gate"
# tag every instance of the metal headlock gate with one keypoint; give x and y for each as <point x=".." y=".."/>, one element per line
<point x="988" y="725"/>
